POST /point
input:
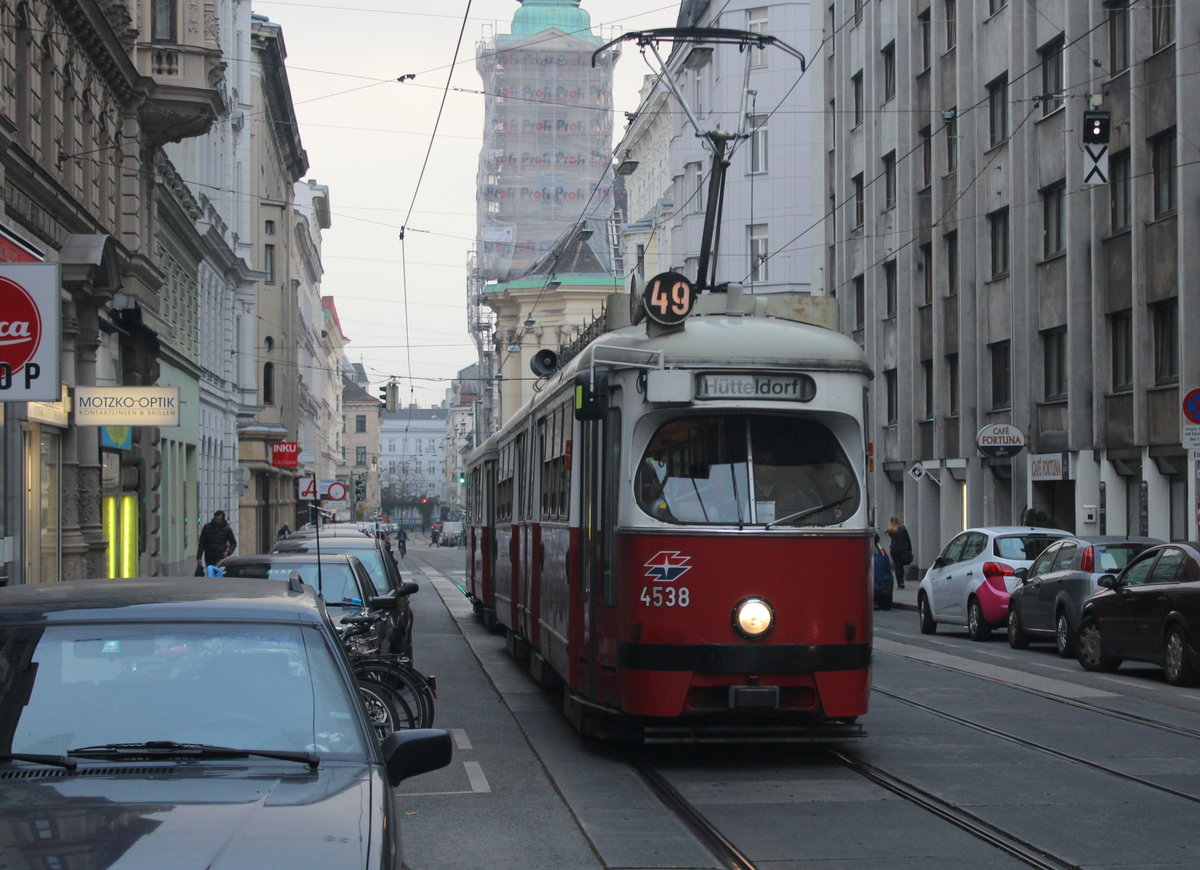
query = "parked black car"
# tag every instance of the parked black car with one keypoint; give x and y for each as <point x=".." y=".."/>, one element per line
<point x="344" y="584"/>
<point x="378" y="560"/>
<point x="195" y="725"/>
<point x="1150" y="612"/>
<point x="1046" y="605"/>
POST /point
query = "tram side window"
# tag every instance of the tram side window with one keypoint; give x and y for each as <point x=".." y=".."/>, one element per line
<point x="746" y="469"/>
<point x="504" y="486"/>
<point x="554" y="466"/>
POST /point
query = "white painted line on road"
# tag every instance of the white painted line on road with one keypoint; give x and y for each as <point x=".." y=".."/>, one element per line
<point x="461" y="740"/>
<point x="1048" y="685"/>
<point x="475" y="776"/>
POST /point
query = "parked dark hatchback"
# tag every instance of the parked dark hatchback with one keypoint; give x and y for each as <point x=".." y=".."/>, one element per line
<point x="343" y="583"/>
<point x="1150" y="612"/>
<point x="377" y="559"/>
<point x="1046" y="605"/>
<point x="171" y="723"/>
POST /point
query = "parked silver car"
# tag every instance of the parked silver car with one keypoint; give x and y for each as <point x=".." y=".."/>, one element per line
<point x="1046" y="605"/>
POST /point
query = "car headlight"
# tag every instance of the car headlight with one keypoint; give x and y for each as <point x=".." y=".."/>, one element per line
<point x="753" y="618"/>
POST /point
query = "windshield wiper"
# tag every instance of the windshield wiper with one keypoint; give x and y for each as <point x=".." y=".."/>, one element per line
<point x="55" y="760"/>
<point x="171" y="749"/>
<point x="807" y="512"/>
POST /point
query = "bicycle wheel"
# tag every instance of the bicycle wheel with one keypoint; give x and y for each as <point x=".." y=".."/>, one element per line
<point x="386" y="711"/>
<point x="406" y="683"/>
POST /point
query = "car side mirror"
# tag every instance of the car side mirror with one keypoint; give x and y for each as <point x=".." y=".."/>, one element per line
<point x="407" y="588"/>
<point x="382" y="602"/>
<point x="1022" y="574"/>
<point x="415" y="751"/>
<point x="1108" y="581"/>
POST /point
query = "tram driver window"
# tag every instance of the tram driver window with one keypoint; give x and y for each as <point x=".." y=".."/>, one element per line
<point x="746" y="469"/>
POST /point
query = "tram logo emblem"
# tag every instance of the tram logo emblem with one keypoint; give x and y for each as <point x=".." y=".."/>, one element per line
<point x="667" y="566"/>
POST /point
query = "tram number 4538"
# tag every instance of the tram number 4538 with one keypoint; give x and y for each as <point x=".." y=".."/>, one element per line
<point x="670" y="596"/>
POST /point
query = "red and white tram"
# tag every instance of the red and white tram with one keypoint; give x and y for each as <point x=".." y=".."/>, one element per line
<point x="676" y="529"/>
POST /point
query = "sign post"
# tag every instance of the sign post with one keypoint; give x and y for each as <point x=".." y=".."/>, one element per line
<point x="1190" y="433"/>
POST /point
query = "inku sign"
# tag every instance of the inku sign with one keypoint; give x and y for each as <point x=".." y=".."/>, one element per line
<point x="1000" y="440"/>
<point x="29" y="332"/>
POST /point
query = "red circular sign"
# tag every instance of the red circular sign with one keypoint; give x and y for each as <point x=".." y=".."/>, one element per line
<point x="20" y="325"/>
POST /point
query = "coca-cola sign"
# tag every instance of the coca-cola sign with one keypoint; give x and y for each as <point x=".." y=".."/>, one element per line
<point x="29" y="332"/>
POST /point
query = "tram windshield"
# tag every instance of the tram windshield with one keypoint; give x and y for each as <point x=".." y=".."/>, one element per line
<point x="746" y="469"/>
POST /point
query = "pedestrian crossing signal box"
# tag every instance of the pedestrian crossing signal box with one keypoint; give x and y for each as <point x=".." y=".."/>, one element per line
<point x="1097" y="126"/>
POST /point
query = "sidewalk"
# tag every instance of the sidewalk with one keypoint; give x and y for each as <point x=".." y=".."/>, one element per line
<point x="906" y="598"/>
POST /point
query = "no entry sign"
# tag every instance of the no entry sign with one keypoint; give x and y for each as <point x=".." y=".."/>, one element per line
<point x="30" y="324"/>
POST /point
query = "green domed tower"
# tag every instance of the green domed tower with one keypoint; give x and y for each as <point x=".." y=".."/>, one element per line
<point x="534" y="16"/>
<point x="546" y="161"/>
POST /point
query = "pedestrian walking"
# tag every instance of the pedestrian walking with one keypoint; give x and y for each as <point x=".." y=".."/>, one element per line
<point x="216" y="542"/>
<point x="900" y="549"/>
<point x="402" y="542"/>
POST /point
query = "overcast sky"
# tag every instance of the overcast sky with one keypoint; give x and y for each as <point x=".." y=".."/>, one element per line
<point x="367" y="136"/>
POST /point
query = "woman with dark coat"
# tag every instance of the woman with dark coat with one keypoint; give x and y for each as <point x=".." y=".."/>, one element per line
<point x="900" y="550"/>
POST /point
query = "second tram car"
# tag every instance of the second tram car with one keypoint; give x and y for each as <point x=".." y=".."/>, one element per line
<point x="676" y="529"/>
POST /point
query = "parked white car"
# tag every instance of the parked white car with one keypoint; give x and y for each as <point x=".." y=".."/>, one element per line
<point x="971" y="580"/>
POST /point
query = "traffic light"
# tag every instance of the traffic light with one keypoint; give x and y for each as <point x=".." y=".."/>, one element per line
<point x="360" y="488"/>
<point x="1096" y="126"/>
<point x="389" y="395"/>
<point x="462" y="478"/>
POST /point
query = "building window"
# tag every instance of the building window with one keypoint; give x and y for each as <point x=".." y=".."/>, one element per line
<point x="1118" y="38"/>
<point x="360" y="422"/>
<point x="756" y="22"/>
<point x="360" y="455"/>
<point x="269" y="226"/>
<point x="952" y="384"/>
<point x="268" y="383"/>
<point x="1162" y="162"/>
<point x="889" y="71"/>
<point x="926" y="40"/>
<point x="1121" y="330"/>
<point x="757" y="125"/>
<point x="995" y="6"/>
<point x="1052" y="75"/>
<point x="1118" y="191"/>
<point x="162" y="21"/>
<point x="858" y="11"/>
<point x="951" y="264"/>
<point x="950" y="8"/>
<point x="1162" y="22"/>
<point x="757" y="235"/>
<point x="893" y="397"/>
<point x="998" y="109"/>
<point x="1165" y="316"/>
<point x="859" y="205"/>
<point x="1054" y="362"/>
<point x="269" y="263"/>
<point x="1054" y="209"/>
<point x="695" y="177"/>
<point x="998" y="230"/>
<point x="926" y="157"/>
<point x="889" y="287"/>
<point x="951" y="116"/>
<point x="860" y="301"/>
<point x="999" y="354"/>
<point x="927" y="382"/>
<point x="927" y="270"/>
<point x="856" y="84"/>
<point x="889" y="180"/>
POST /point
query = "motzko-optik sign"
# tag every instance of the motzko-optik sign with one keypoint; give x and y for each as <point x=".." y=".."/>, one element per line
<point x="30" y="325"/>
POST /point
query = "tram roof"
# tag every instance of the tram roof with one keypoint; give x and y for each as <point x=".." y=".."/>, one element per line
<point x="711" y="341"/>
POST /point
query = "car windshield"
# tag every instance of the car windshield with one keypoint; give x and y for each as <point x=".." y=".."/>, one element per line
<point x="334" y="581"/>
<point x="242" y="685"/>
<point x="756" y="469"/>
<point x="1023" y="547"/>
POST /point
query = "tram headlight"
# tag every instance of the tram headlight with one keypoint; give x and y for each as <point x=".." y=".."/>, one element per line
<point x="753" y="618"/>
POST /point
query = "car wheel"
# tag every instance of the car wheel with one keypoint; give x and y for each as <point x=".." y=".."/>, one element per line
<point x="1017" y="638"/>
<point x="1064" y="638"/>
<point x="1179" y="668"/>
<point x="928" y="624"/>
<point x="1091" y="653"/>
<point x="977" y="626"/>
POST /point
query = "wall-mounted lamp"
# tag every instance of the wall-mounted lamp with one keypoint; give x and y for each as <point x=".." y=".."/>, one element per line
<point x="627" y="164"/>
<point x="583" y="234"/>
<point x="553" y="284"/>
<point x="529" y="321"/>
<point x="514" y="347"/>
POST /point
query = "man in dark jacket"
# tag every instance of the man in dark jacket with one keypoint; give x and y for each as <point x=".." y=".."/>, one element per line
<point x="216" y="541"/>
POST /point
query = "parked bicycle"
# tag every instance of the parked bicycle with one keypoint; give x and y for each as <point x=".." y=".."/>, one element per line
<point x="397" y="695"/>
